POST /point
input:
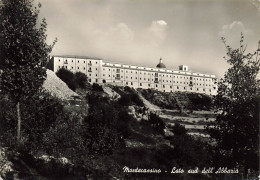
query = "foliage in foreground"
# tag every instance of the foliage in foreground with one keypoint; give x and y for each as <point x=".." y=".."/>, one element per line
<point x="24" y="52"/>
<point x="38" y="113"/>
<point x="50" y="129"/>
<point x="236" y="129"/>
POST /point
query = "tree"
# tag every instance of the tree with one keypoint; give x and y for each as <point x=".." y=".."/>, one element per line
<point x="68" y="77"/>
<point x="236" y="127"/>
<point x="157" y="123"/>
<point x="81" y="79"/>
<point x="24" y="52"/>
<point x="178" y="129"/>
<point x="101" y="126"/>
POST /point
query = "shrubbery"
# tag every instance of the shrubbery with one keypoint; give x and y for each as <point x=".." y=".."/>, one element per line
<point x="38" y="113"/>
<point x="68" y="77"/>
<point x="66" y="138"/>
<point x="81" y="79"/>
<point x="130" y="99"/>
<point x="200" y="101"/>
<point x="189" y="152"/>
<point x="74" y="81"/>
<point x="157" y="123"/>
<point x="97" y="134"/>
<point x="178" y="129"/>
<point x="49" y="128"/>
<point x="96" y="87"/>
<point x="125" y="122"/>
<point x="178" y="100"/>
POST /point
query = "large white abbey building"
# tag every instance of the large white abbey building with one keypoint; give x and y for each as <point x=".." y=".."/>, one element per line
<point x="159" y="77"/>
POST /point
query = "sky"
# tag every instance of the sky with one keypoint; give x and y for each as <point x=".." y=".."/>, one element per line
<point x="140" y="32"/>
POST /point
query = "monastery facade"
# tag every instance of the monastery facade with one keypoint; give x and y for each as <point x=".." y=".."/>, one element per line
<point x="159" y="77"/>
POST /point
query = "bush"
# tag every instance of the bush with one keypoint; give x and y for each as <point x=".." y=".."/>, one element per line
<point x="130" y="99"/>
<point x="125" y="100"/>
<point x="73" y="81"/>
<point x="157" y="123"/>
<point x="66" y="138"/>
<point x="125" y="121"/>
<point x="97" y="87"/>
<point x="38" y="114"/>
<point x="94" y="98"/>
<point x="200" y="101"/>
<point x="81" y="79"/>
<point x="101" y="128"/>
<point x="179" y="129"/>
<point x="136" y="99"/>
<point x="189" y="152"/>
<point x="68" y="77"/>
<point x="103" y="125"/>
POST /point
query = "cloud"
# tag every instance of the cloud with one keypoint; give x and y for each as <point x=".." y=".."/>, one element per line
<point x="232" y="33"/>
<point x="122" y="32"/>
<point x="120" y="40"/>
<point x="234" y="30"/>
<point x="158" y="29"/>
<point x="119" y="33"/>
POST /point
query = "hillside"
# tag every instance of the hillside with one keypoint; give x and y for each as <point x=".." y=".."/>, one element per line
<point x="140" y="125"/>
<point x="191" y="110"/>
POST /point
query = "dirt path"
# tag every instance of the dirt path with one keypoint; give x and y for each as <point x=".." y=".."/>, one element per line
<point x="148" y="104"/>
<point x="111" y="92"/>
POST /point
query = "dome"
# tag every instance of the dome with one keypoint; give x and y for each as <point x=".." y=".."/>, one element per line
<point x="161" y="65"/>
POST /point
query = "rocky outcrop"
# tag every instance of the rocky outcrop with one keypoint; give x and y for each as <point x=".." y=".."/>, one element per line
<point x="111" y="93"/>
<point x="56" y="87"/>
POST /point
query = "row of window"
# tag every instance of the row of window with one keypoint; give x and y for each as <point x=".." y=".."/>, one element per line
<point x="145" y="78"/>
<point x="118" y="77"/>
<point x="66" y="61"/>
<point x="170" y="86"/>
<point x="90" y="69"/>
<point x="118" y="71"/>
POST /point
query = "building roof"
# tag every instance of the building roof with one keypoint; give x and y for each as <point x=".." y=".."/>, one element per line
<point x="79" y="57"/>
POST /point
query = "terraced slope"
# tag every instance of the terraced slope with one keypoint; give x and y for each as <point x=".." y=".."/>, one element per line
<point x="176" y="108"/>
